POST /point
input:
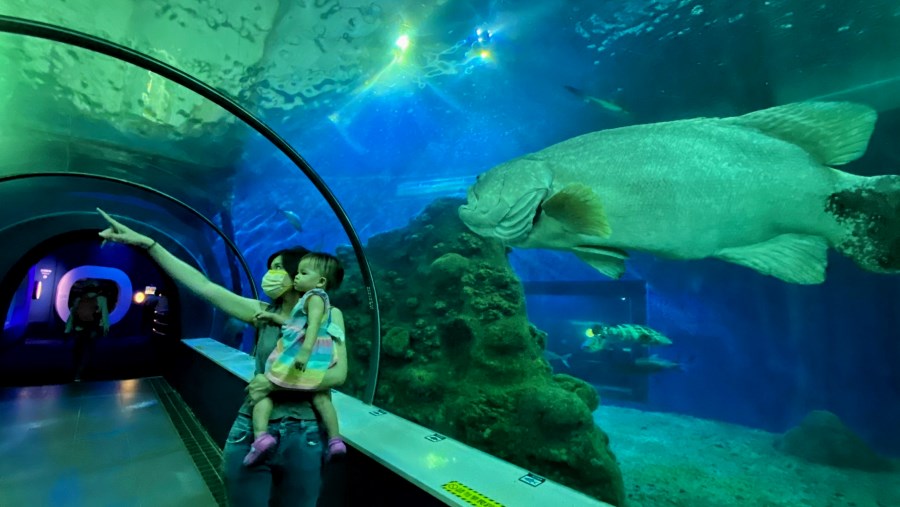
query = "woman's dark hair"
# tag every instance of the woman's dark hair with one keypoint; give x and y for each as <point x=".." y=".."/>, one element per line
<point x="290" y="258"/>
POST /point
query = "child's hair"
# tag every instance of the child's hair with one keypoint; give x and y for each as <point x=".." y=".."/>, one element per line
<point x="330" y="267"/>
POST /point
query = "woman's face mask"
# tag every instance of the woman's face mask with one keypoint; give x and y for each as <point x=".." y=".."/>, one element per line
<point x="275" y="283"/>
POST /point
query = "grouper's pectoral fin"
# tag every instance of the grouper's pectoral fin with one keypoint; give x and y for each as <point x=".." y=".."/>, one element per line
<point x="794" y="258"/>
<point x="609" y="265"/>
<point x="579" y="210"/>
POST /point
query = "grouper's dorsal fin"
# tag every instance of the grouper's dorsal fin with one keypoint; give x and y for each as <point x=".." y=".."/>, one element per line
<point x="834" y="133"/>
<point x="579" y="209"/>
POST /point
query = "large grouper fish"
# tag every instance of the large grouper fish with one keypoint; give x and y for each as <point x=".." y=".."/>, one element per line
<point x="757" y="190"/>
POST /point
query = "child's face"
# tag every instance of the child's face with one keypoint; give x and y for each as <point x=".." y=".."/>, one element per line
<point x="307" y="277"/>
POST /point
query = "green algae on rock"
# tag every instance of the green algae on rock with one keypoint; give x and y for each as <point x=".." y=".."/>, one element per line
<point x="464" y="360"/>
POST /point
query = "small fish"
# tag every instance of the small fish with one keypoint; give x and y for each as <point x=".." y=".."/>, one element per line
<point x="292" y="219"/>
<point x="605" y="104"/>
<point x="600" y="336"/>
<point x="553" y="356"/>
<point x="652" y="364"/>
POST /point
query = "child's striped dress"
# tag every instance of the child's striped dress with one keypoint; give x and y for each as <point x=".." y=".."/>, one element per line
<point x="280" y="369"/>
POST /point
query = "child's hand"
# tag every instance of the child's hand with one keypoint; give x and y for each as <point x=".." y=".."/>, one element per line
<point x="302" y="358"/>
<point x="262" y="318"/>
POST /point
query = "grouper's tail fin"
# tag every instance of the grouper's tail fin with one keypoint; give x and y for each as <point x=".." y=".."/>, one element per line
<point x="870" y="215"/>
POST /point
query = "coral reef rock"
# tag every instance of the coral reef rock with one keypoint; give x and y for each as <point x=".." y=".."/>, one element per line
<point x="460" y="357"/>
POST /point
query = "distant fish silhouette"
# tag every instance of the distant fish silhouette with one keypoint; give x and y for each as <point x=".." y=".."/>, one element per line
<point x="553" y="356"/>
<point x="641" y="365"/>
<point x="605" y="104"/>
<point x="649" y="365"/>
<point x="292" y="219"/>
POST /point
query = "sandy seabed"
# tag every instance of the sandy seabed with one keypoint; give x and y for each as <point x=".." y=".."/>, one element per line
<point x="675" y="460"/>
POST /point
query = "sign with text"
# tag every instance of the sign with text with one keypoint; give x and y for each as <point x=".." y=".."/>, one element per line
<point x="532" y="479"/>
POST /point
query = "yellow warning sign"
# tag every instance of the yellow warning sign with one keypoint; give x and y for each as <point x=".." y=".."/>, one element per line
<point x="469" y="495"/>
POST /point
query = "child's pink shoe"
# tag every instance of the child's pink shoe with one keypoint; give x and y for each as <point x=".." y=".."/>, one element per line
<point x="336" y="447"/>
<point x="258" y="448"/>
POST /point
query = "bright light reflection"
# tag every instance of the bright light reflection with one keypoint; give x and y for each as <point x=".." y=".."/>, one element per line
<point x="415" y="66"/>
<point x="127" y="391"/>
<point x="433" y="461"/>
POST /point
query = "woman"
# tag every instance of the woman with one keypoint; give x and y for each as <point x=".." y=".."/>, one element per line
<point x="292" y="474"/>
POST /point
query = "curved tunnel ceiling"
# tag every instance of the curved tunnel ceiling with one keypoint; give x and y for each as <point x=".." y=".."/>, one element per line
<point x="32" y="146"/>
<point x="49" y="124"/>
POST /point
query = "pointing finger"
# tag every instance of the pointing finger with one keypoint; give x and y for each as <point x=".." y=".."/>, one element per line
<point x="115" y="225"/>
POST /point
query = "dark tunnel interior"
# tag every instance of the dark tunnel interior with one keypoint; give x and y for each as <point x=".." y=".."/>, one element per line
<point x="38" y="292"/>
<point x="51" y="249"/>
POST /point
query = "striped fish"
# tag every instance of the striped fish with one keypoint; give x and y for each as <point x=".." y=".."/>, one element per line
<point x="601" y="336"/>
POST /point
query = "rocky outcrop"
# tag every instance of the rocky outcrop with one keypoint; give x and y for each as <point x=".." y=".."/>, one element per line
<point x="460" y="356"/>
<point x="822" y="438"/>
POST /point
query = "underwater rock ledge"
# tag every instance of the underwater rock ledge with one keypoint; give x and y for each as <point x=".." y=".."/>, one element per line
<point x="823" y="438"/>
<point x="459" y="355"/>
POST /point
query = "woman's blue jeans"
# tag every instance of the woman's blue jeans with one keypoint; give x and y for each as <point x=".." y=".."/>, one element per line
<point x="289" y="476"/>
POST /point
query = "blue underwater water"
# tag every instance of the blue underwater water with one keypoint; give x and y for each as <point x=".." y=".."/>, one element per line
<point x="755" y="350"/>
<point x="400" y="104"/>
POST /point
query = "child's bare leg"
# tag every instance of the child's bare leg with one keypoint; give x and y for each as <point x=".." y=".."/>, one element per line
<point x="323" y="405"/>
<point x="325" y="408"/>
<point x="264" y="441"/>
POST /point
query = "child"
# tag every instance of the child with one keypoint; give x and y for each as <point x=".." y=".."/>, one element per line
<point x="298" y="362"/>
